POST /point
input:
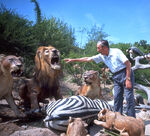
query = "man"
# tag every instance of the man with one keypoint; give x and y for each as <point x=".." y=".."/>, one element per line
<point x="123" y="76"/>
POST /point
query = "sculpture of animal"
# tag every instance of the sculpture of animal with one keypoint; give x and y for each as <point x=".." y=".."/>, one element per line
<point x="10" y="66"/>
<point x="45" y="82"/>
<point x="91" y="88"/>
<point x="127" y="126"/>
<point x="58" y="112"/>
<point x="76" y="127"/>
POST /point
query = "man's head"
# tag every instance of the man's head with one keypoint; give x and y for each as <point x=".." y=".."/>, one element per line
<point x="103" y="47"/>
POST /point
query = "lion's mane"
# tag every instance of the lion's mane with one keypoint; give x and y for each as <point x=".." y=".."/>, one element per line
<point x="45" y="76"/>
<point x="45" y="81"/>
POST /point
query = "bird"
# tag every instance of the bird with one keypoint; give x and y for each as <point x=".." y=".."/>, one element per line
<point x="134" y="51"/>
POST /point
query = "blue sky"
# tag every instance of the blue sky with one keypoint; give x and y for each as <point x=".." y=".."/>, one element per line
<point x="124" y="21"/>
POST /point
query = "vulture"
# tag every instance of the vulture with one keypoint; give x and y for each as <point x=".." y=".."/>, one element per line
<point x="134" y="51"/>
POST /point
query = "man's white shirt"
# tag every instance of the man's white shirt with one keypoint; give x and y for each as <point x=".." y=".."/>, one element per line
<point x="114" y="61"/>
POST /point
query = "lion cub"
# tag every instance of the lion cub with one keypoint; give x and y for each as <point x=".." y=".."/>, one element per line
<point x="91" y="88"/>
<point x="126" y="125"/>
<point x="76" y="127"/>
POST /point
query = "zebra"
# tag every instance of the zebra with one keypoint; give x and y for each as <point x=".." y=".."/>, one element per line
<point x="58" y="112"/>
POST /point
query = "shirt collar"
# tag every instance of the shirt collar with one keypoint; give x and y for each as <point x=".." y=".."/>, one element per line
<point x="110" y="53"/>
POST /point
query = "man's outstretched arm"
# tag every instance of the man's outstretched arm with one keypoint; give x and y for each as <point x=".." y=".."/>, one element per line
<point x="84" y="59"/>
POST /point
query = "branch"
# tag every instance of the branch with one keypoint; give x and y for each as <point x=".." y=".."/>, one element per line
<point x="142" y="106"/>
<point x="138" y="65"/>
<point x="143" y="88"/>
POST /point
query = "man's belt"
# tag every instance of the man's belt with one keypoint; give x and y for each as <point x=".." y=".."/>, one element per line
<point x="119" y="71"/>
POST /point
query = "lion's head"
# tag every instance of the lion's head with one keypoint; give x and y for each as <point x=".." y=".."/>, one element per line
<point x="11" y="64"/>
<point x="47" y="56"/>
<point x="47" y="66"/>
<point x="102" y="114"/>
<point x="91" y="77"/>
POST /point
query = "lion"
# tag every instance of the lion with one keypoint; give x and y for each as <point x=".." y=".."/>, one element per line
<point x="45" y="81"/>
<point x="126" y="125"/>
<point x="91" y="88"/>
<point x="76" y="127"/>
<point x="10" y="66"/>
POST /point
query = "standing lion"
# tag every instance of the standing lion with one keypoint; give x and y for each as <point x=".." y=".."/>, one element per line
<point x="45" y="82"/>
<point x="10" y="67"/>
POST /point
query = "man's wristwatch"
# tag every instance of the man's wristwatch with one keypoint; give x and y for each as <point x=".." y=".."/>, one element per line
<point x="128" y="78"/>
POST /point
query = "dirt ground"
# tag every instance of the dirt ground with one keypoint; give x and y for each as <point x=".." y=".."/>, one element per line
<point x="11" y="126"/>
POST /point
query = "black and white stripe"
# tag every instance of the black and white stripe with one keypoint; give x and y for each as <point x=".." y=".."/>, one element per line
<point x="58" y="112"/>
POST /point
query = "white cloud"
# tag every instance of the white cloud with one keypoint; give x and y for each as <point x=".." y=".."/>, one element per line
<point x="92" y="19"/>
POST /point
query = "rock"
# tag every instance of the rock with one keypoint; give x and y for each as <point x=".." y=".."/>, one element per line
<point x="35" y="132"/>
<point x="8" y="128"/>
<point x="145" y="115"/>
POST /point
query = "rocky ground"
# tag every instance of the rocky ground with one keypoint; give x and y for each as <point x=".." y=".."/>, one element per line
<point x="33" y="126"/>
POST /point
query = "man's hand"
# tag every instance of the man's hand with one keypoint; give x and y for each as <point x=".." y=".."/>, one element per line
<point x="128" y="84"/>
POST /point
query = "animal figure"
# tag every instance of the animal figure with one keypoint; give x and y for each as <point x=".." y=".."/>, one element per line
<point x="91" y="88"/>
<point x="76" y="127"/>
<point x="127" y="126"/>
<point x="10" y="66"/>
<point x="134" y="51"/>
<point x="45" y="82"/>
<point x="58" y="112"/>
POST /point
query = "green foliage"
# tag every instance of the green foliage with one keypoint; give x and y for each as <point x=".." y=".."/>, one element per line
<point x="19" y="36"/>
<point x="143" y="46"/>
<point x="121" y="46"/>
<point x="96" y="34"/>
<point x="15" y="32"/>
<point x="143" y="94"/>
<point x="38" y="12"/>
<point x="56" y="33"/>
<point x="142" y="74"/>
<point x="16" y="35"/>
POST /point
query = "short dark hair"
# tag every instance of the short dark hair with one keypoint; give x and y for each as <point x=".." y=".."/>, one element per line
<point x="103" y="43"/>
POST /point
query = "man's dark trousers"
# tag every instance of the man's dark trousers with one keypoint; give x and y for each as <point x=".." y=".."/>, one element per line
<point x="119" y="89"/>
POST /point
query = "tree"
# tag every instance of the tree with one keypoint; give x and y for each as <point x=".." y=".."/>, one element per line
<point x="94" y="35"/>
<point x="16" y="35"/>
<point x="37" y="11"/>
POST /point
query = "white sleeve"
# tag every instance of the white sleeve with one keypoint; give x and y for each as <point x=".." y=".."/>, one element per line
<point x="96" y="58"/>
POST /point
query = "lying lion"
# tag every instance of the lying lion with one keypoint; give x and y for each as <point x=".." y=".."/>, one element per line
<point x="45" y="82"/>
<point x="76" y="127"/>
<point x="127" y="126"/>
<point x="10" y="66"/>
<point x="91" y="88"/>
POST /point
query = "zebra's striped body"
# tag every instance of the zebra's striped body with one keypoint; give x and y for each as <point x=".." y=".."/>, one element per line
<point x="58" y="112"/>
